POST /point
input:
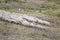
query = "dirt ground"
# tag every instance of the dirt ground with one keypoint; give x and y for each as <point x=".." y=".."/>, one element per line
<point x="11" y="31"/>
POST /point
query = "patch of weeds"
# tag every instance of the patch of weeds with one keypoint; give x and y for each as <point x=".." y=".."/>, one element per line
<point x="57" y="15"/>
<point x="21" y="1"/>
<point x="43" y="8"/>
<point x="56" y="38"/>
<point x="5" y="8"/>
<point x="51" y="7"/>
<point x="47" y="12"/>
<point x="31" y="9"/>
<point x="56" y="1"/>
<point x="44" y="35"/>
<point x="54" y="25"/>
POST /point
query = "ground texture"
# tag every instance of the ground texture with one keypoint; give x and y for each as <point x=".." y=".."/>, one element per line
<point x="42" y="9"/>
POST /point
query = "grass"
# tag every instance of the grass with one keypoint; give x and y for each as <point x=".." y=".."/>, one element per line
<point x="6" y="1"/>
<point x="50" y="13"/>
<point x="57" y="14"/>
<point x="56" y="38"/>
<point x="5" y="7"/>
<point x="56" y="1"/>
